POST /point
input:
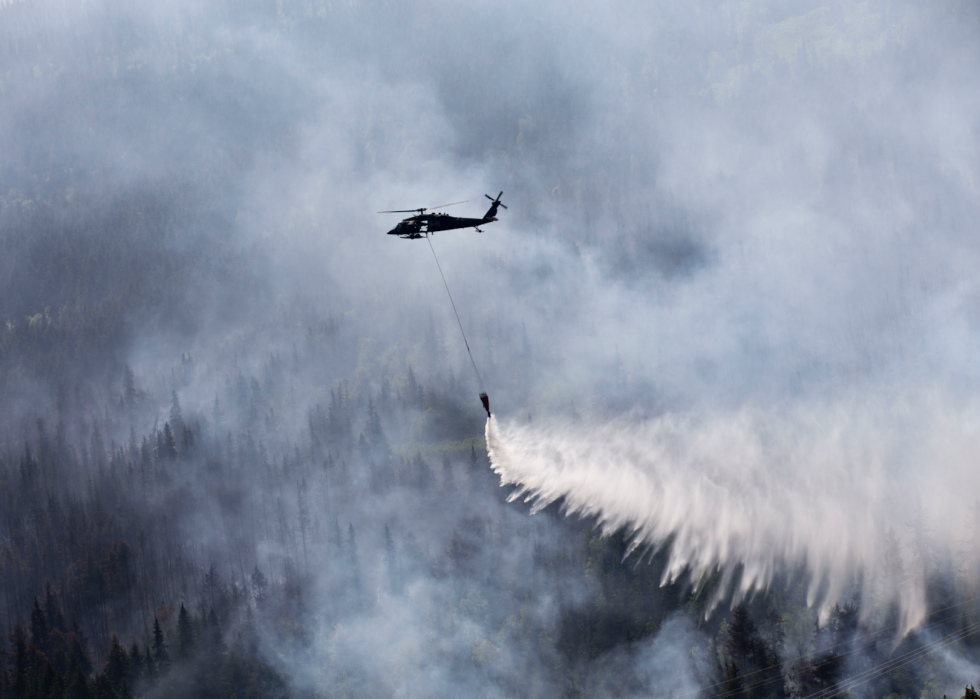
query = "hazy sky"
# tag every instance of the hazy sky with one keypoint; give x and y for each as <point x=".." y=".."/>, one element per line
<point x="745" y="219"/>
<point x="742" y="202"/>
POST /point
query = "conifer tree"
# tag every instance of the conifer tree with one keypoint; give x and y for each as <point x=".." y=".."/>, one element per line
<point x="166" y="445"/>
<point x="185" y="635"/>
<point x="258" y="583"/>
<point x="103" y="689"/>
<point x="77" y="649"/>
<point x="391" y="563"/>
<point x="116" y="665"/>
<point x="413" y="390"/>
<point x="215" y="642"/>
<point x="149" y="665"/>
<point x="732" y="684"/>
<point x="40" y="634"/>
<point x="447" y="473"/>
<point x="136" y="666"/>
<point x="52" y="610"/>
<point x="78" y="684"/>
<point x="351" y="544"/>
<point x="129" y="387"/>
<point x="742" y="639"/>
<point x="52" y="684"/>
<point x="160" y="655"/>
<point x="20" y="669"/>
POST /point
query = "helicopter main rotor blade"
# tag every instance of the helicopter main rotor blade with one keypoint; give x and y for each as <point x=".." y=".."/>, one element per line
<point x="421" y="210"/>
<point x="443" y="206"/>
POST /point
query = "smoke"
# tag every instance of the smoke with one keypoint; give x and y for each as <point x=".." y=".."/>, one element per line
<point x="751" y="224"/>
<point x="661" y="666"/>
<point x="758" y="493"/>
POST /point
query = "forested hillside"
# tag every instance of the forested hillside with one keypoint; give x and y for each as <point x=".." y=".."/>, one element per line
<point x="241" y="448"/>
<point x="233" y="552"/>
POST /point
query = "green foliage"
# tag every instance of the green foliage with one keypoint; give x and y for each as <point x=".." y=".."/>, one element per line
<point x="185" y="635"/>
<point x="116" y="668"/>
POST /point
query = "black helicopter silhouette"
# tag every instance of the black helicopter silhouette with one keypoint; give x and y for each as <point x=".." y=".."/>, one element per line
<point x="422" y="224"/>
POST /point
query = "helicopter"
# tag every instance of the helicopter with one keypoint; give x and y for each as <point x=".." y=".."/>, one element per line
<point x="422" y="224"/>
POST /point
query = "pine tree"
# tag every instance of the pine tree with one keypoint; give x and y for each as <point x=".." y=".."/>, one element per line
<point x="447" y="473"/>
<point x="77" y="652"/>
<point x="742" y="639"/>
<point x="303" y="514"/>
<point x="103" y="689"/>
<point x="351" y="545"/>
<point x="215" y="642"/>
<point x="218" y="421"/>
<point x="213" y="588"/>
<point x="376" y="440"/>
<point x="336" y="540"/>
<point x="52" y="684"/>
<point x="98" y="447"/>
<point x="384" y="398"/>
<point x="185" y="635"/>
<point x="258" y="583"/>
<point x="186" y="440"/>
<point x="455" y="553"/>
<point x="423" y="471"/>
<point x="355" y="568"/>
<point x="391" y="563"/>
<point x="414" y="392"/>
<point x="40" y="633"/>
<point x="129" y="387"/>
<point x="166" y="445"/>
<point x="20" y="669"/>
<point x="160" y="655"/>
<point x="149" y="665"/>
<point x="78" y="684"/>
<point x="136" y="666"/>
<point x="116" y="665"/>
<point x="732" y="683"/>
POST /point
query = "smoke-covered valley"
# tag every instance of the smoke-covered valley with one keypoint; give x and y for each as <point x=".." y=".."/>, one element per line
<point x="728" y="325"/>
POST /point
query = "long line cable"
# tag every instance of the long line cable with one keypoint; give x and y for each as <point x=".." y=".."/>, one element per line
<point x="461" y="331"/>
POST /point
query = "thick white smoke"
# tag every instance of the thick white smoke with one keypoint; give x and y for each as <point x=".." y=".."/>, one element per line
<point x="829" y="489"/>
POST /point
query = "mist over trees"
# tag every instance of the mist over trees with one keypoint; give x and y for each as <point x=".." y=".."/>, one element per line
<point x="241" y="451"/>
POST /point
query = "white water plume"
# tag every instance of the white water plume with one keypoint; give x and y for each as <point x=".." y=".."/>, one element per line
<point x="816" y="488"/>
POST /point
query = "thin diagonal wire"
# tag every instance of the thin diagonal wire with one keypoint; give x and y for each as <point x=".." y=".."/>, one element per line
<point x="869" y="674"/>
<point x="895" y="663"/>
<point x="461" y="331"/>
<point x="723" y="695"/>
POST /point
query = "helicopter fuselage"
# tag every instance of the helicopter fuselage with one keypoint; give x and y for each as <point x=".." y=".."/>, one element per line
<point x="423" y="224"/>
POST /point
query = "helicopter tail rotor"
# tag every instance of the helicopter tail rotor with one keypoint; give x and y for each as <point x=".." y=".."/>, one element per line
<point x="491" y="215"/>
<point x="496" y="202"/>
